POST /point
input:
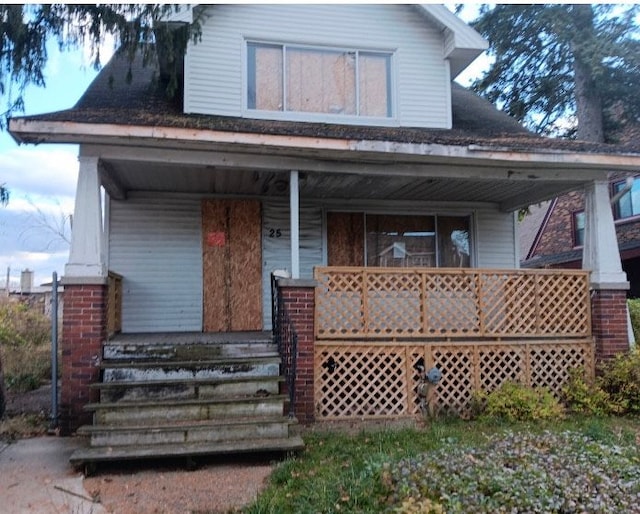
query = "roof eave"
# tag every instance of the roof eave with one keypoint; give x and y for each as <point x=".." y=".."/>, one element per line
<point x="38" y="131"/>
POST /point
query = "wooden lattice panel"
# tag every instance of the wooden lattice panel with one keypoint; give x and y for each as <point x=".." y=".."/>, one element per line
<point x="340" y="304"/>
<point x="508" y="304"/>
<point x="452" y="306"/>
<point x="359" y="380"/>
<point x="393" y="303"/>
<point x="453" y="394"/>
<point x="550" y="364"/>
<point x="376" y="303"/>
<point x="365" y="381"/>
<point x="561" y="305"/>
<point x="498" y="364"/>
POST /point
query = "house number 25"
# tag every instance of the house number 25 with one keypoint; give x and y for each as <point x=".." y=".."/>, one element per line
<point x="275" y="232"/>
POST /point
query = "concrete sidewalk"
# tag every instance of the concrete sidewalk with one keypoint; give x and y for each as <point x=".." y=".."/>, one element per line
<point x="36" y="477"/>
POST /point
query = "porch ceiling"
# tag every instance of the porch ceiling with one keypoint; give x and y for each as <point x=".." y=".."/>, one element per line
<point x="121" y="176"/>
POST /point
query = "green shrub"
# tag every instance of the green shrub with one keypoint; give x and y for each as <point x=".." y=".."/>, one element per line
<point x="25" y="348"/>
<point x="634" y="313"/>
<point x="620" y="379"/>
<point x="584" y="396"/>
<point x="517" y="402"/>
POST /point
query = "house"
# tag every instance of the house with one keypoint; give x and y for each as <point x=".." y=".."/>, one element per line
<point x="557" y="237"/>
<point x="304" y="140"/>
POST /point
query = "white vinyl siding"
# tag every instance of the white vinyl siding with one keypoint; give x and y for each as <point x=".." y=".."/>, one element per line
<point x="276" y="250"/>
<point x="496" y="246"/>
<point x="215" y="67"/>
<point x="155" y="244"/>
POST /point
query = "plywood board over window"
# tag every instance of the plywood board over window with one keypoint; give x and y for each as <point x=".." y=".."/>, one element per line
<point x="232" y="265"/>
<point x="345" y="238"/>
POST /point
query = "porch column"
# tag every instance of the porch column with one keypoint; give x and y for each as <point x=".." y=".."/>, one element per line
<point x="608" y="282"/>
<point x="294" y="207"/>
<point x="86" y="256"/>
<point x="84" y="316"/>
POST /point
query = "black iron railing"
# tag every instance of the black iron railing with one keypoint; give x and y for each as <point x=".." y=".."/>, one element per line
<point x="284" y="335"/>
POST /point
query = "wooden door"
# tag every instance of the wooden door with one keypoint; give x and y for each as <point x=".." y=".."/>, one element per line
<point x="232" y="265"/>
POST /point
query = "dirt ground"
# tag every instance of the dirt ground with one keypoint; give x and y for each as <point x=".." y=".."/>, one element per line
<point x="213" y="485"/>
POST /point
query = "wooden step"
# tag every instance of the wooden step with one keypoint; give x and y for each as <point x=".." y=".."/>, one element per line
<point x="127" y="391"/>
<point x="138" y="413"/>
<point x="212" y="431"/>
<point x="87" y="455"/>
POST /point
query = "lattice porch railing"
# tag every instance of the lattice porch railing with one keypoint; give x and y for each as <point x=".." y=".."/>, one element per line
<point x="369" y="380"/>
<point x="404" y="303"/>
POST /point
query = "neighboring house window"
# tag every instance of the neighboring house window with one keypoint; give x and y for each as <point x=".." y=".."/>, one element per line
<point x="578" y="228"/>
<point x="318" y="80"/>
<point x="406" y="241"/>
<point x="629" y="204"/>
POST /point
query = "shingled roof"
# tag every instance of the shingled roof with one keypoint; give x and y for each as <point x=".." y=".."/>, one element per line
<point x="130" y="94"/>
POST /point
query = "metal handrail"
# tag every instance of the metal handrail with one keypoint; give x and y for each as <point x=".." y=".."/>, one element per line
<point x="286" y="339"/>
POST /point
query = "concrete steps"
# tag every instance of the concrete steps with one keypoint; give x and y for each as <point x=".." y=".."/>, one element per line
<point x="191" y="397"/>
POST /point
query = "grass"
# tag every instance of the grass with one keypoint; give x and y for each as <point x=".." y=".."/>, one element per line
<point x="385" y="470"/>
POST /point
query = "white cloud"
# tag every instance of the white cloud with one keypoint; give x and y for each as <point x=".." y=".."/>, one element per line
<point x="40" y="171"/>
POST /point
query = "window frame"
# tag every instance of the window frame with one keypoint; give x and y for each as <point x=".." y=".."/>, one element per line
<point x="577" y="243"/>
<point x="614" y="189"/>
<point x="292" y="115"/>
<point x="436" y="233"/>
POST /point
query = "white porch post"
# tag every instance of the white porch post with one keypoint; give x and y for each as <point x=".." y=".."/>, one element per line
<point x="294" y="207"/>
<point x="86" y="256"/>
<point x="601" y="254"/>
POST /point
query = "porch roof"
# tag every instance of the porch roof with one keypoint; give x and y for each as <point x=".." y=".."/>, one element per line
<point x="486" y="156"/>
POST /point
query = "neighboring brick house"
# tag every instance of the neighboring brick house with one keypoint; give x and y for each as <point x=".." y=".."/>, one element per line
<point x="556" y="239"/>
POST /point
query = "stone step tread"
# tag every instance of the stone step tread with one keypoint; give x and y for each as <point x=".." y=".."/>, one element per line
<point x="191" y="338"/>
<point x="188" y="425"/>
<point x="155" y="363"/>
<point x="190" y="353"/>
<point x="111" y="453"/>
<point x="116" y="384"/>
<point x="184" y="402"/>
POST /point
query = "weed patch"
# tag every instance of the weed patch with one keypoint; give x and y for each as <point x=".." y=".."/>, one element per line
<point x="25" y="347"/>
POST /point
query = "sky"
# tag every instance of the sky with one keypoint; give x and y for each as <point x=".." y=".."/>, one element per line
<point x="42" y="179"/>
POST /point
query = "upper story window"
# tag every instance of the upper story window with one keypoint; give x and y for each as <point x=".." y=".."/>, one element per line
<point x="578" y="228"/>
<point x="292" y="78"/>
<point x="629" y="203"/>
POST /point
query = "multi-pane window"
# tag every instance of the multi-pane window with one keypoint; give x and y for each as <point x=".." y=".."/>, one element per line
<point x="578" y="228"/>
<point x="629" y="204"/>
<point x="407" y="241"/>
<point x="292" y="78"/>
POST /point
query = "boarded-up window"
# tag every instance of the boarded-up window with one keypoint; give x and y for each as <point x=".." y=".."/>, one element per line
<point x="374" y="84"/>
<point x="265" y="77"/>
<point x="304" y="79"/>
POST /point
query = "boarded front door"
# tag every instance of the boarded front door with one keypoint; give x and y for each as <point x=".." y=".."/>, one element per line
<point x="232" y="260"/>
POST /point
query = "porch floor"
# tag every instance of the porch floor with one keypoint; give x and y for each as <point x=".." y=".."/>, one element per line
<point x="180" y="338"/>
